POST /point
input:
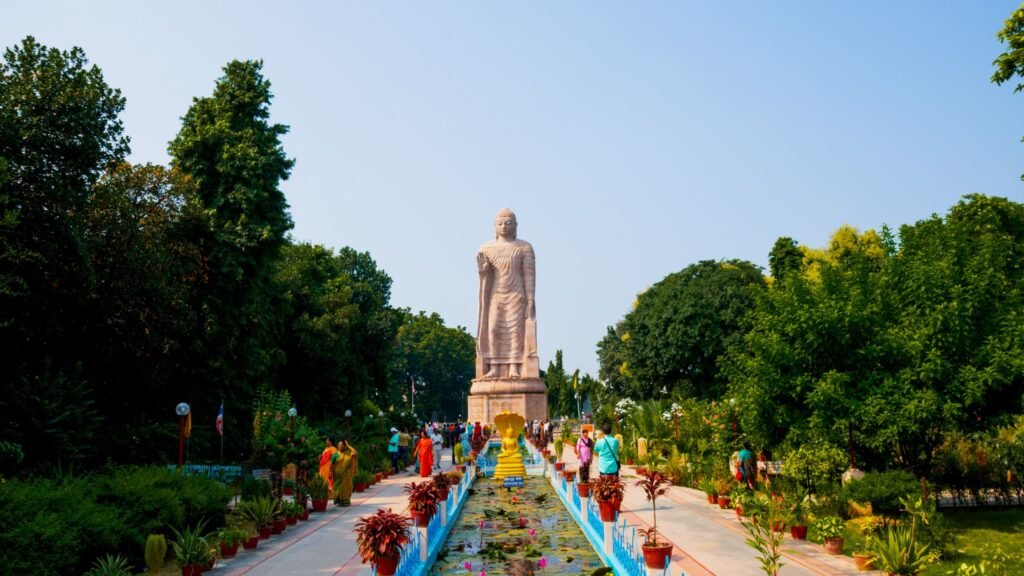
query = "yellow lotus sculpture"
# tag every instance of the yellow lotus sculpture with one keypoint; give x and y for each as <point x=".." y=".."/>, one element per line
<point x="510" y="460"/>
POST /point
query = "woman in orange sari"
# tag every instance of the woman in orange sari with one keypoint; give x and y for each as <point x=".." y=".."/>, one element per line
<point x="425" y="452"/>
<point x="325" y="464"/>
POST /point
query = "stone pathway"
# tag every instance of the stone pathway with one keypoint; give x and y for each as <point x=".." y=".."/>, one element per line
<point x="709" y="541"/>
<point x="326" y="543"/>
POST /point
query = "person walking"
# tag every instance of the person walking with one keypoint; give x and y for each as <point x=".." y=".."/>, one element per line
<point x="748" y="467"/>
<point x="393" y="449"/>
<point x="437" y="442"/>
<point x="425" y="453"/>
<point x="584" y="450"/>
<point x="607" y="450"/>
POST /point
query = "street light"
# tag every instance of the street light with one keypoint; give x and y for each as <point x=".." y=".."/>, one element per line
<point x="348" y="424"/>
<point x="381" y="416"/>
<point x="292" y="413"/>
<point x="182" y="410"/>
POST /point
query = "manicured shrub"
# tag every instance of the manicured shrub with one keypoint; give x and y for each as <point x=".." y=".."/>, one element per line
<point x="883" y="490"/>
<point x="59" y="526"/>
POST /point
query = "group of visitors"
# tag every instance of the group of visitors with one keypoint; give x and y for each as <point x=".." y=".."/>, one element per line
<point x="540" y="432"/>
<point x="338" y="466"/>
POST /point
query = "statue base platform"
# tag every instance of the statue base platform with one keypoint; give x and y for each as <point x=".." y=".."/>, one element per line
<point x="511" y="467"/>
<point x="489" y="397"/>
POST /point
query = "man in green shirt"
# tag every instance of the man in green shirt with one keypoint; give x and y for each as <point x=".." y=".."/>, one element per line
<point x="607" y="451"/>
<point x="393" y="449"/>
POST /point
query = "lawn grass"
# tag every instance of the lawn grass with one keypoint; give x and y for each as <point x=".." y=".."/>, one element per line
<point x="980" y="535"/>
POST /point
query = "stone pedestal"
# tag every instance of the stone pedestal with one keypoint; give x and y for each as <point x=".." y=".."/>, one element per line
<point x="489" y="397"/>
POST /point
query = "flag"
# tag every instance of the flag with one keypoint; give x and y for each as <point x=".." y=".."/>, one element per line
<point x="220" y="419"/>
<point x="188" y="425"/>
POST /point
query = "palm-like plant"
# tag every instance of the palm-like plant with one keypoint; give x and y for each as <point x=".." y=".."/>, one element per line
<point x="654" y="484"/>
<point x="110" y="565"/>
<point x="190" y="546"/>
<point x="261" y="511"/>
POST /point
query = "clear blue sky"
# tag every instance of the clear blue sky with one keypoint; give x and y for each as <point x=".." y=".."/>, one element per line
<point x="631" y="138"/>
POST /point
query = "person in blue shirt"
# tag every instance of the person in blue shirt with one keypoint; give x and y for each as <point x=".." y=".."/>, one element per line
<point x="393" y="449"/>
<point x="607" y="451"/>
<point x="748" y="467"/>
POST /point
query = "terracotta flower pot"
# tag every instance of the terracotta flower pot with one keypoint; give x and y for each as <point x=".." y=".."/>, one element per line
<point x="778" y="527"/>
<point x="712" y="498"/>
<point x="723" y="502"/>
<point x="641" y="470"/>
<point x="293" y="520"/>
<point x="228" y="551"/>
<point x="559" y="466"/>
<point x="305" y="514"/>
<point x="608" y="509"/>
<point x="421" y="518"/>
<point x="583" y="488"/>
<point x="251" y="543"/>
<point x="655" y="556"/>
<point x="264" y="532"/>
<point x="279" y="526"/>
<point x="192" y="570"/>
<point x="319" y="505"/>
<point x="387" y="566"/>
<point x="864" y="562"/>
<point x="378" y="477"/>
<point x="359" y="487"/>
<point x="288" y="491"/>
<point x="569" y="475"/>
<point x="798" y="532"/>
<point x="834" y="545"/>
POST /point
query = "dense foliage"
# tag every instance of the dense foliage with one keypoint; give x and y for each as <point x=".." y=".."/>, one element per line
<point x="125" y="289"/>
<point x="59" y="526"/>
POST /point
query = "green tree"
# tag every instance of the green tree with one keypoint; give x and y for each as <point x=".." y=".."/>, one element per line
<point x="234" y="156"/>
<point x="438" y="361"/>
<point x="335" y="327"/>
<point x="1010" y="64"/>
<point x="785" y="258"/>
<point x="681" y="325"/>
<point x="59" y="130"/>
<point x="613" y="368"/>
<point x="559" y="385"/>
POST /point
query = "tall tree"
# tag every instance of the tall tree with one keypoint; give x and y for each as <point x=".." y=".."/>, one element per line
<point x="559" y="385"/>
<point x="59" y="129"/>
<point x="785" y="258"/>
<point x="1010" y="64"/>
<point x="438" y="361"/>
<point x="681" y="325"/>
<point x="233" y="153"/>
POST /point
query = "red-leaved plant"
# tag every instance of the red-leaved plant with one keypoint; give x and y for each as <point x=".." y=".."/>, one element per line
<point x="422" y="497"/>
<point x="381" y="535"/>
<point x="654" y="484"/>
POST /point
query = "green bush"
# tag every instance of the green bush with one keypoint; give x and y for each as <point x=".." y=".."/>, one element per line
<point x="253" y="488"/>
<point x="883" y="490"/>
<point x="60" y="526"/>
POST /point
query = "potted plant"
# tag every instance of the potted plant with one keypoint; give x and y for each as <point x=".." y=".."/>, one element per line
<point x="607" y="490"/>
<point x="798" y="516"/>
<point x="318" y="493"/>
<point x="736" y="497"/>
<point x="723" y="486"/>
<point x="830" y="528"/>
<point x="291" y="512"/>
<point x="899" y="554"/>
<point x="422" y="501"/>
<point x="191" y="549"/>
<point x="442" y="484"/>
<point x="251" y="542"/>
<point x="261" y="512"/>
<point x="654" y="484"/>
<point x="583" y="487"/>
<point x="289" y="487"/>
<point x="230" y="538"/>
<point x="279" y="521"/>
<point x="864" y="559"/>
<point x="559" y="447"/>
<point x="707" y="485"/>
<point x="570" y="475"/>
<point x="361" y="481"/>
<point x="380" y="537"/>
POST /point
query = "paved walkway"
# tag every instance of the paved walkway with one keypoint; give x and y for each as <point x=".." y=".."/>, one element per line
<point x="326" y="543"/>
<point x="708" y="541"/>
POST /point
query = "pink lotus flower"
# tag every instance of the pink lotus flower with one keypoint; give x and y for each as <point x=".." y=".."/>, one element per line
<point x="481" y="524"/>
<point x="467" y="566"/>
<point x="543" y="562"/>
<point x="532" y="532"/>
<point x="514" y="500"/>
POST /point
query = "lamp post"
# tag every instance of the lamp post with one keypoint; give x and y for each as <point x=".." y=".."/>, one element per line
<point x="292" y="413"/>
<point x="182" y="410"/>
<point x="380" y="416"/>
<point x="579" y="414"/>
<point x="732" y="412"/>
<point x="348" y="424"/>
